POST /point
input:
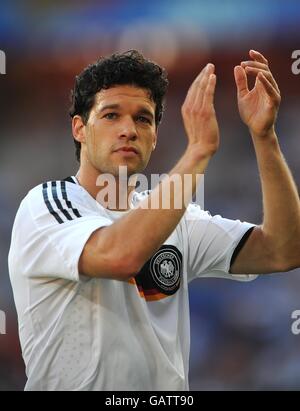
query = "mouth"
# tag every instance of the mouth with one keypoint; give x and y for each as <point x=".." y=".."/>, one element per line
<point x="128" y="151"/>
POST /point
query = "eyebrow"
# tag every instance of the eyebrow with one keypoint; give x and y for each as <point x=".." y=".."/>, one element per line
<point x="141" y="110"/>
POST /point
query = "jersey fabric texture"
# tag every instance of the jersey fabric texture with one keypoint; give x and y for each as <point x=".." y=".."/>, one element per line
<point x="81" y="333"/>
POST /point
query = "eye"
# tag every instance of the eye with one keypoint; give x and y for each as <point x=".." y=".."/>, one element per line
<point x="111" y="116"/>
<point x="144" y="119"/>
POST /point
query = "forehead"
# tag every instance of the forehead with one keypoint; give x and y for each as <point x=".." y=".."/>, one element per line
<point x="124" y="94"/>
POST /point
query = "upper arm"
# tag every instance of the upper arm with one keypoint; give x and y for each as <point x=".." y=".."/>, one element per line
<point x="100" y="258"/>
<point x="50" y="232"/>
<point x="210" y="242"/>
<point x="257" y="255"/>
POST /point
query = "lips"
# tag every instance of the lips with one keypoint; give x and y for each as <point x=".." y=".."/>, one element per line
<point x="128" y="149"/>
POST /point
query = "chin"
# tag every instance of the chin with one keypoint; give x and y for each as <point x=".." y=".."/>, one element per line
<point x="131" y="168"/>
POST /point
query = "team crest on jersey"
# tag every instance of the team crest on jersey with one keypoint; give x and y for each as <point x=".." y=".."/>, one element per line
<point x="165" y="268"/>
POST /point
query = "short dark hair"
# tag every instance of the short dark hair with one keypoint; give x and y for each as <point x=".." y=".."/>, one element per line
<point x="118" y="69"/>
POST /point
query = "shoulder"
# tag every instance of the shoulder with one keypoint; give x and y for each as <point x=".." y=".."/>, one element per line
<point x="202" y="223"/>
<point x="55" y="188"/>
<point x="63" y="200"/>
<point x="139" y="196"/>
<point x="194" y="211"/>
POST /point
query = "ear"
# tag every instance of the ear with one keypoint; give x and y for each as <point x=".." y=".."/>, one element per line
<point x="78" y="129"/>
<point x="154" y="141"/>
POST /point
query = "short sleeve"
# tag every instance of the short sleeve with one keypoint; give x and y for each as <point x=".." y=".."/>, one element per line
<point x="51" y="228"/>
<point x="209" y="243"/>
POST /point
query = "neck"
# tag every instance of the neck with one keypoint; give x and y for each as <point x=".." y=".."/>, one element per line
<point x="113" y="195"/>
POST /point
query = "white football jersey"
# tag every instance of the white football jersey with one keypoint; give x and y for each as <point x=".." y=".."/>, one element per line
<point x="81" y="333"/>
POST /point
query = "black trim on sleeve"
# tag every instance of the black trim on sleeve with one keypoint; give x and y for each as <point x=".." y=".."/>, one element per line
<point x="57" y="201"/>
<point x="240" y="245"/>
<point x="49" y="206"/>
<point x="65" y="197"/>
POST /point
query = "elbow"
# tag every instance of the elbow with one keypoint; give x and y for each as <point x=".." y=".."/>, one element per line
<point x="284" y="255"/>
<point x="290" y="265"/>
<point x="292" y="257"/>
<point x="285" y="267"/>
<point x="125" y="267"/>
<point x="288" y="262"/>
<point x="104" y="257"/>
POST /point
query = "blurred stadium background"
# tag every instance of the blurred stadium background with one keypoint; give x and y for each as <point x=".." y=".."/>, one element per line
<point x="241" y="333"/>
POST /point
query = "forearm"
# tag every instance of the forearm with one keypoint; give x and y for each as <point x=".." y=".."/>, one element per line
<point x="281" y="205"/>
<point x="141" y="232"/>
<point x="120" y="250"/>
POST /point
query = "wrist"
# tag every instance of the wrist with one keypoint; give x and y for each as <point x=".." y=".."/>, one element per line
<point x="267" y="142"/>
<point x="268" y="135"/>
<point x="195" y="154"/>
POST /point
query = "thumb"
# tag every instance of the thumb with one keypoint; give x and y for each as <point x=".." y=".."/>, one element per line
<point x="241" y="81"/>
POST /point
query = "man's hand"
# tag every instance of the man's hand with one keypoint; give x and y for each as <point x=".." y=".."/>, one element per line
<point x="152" y="225"/>
<point x="273" y="246"/>
<point x="258" y="107"/>
<point x="199" y="115"/>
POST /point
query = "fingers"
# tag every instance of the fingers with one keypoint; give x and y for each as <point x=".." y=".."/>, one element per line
<point x="257" y="56"/>
<point x="269" y="87"/>
<point x="260" y="64"/>
<point x="251" y="63"/>
<point x="254" y="67"/>
<point x="192" y="92"/>
<point x="195" y="95"/>
<point x="241" y="81"/>
<point x="266" y="73"/>
<point x="208" y="99"/>
<point x="205" y="86"/>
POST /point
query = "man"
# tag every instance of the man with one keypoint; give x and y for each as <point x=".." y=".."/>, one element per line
<point x="102" y="294"/>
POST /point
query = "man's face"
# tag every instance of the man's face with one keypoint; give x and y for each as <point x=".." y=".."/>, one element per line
<point x="120" y="131"/>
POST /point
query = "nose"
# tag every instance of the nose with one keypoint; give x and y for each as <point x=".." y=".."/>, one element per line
<point x="128" y="129"/>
